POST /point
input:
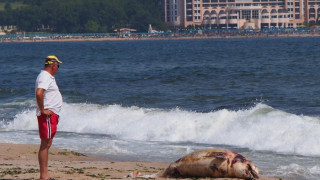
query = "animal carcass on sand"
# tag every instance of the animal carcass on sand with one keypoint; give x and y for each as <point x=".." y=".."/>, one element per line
<point x="215" y="163"/>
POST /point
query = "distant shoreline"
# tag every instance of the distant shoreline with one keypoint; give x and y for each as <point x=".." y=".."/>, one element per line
<point x="80" y="39"/>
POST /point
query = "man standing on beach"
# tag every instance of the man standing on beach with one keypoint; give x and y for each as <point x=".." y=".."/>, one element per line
<point x="49" y="101"/>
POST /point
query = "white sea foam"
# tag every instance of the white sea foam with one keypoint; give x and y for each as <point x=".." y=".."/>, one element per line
<point x="259" y="128"/>
<point x="295" y="171"/>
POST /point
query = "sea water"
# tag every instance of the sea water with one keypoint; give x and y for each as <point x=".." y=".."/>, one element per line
<point x="159" y="100"/>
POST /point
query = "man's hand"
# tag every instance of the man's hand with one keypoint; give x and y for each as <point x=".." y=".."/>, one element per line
<point x="47" y="112"/>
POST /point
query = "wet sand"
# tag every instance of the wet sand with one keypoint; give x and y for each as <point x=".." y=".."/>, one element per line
<point x="18" y="161"/>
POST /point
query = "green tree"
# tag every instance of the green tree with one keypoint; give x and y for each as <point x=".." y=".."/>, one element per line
<point x="91" y="26"/>
<point x="7" y="6"/>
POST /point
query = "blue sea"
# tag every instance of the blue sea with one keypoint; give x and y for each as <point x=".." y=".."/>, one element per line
<point x="157" y="100"/>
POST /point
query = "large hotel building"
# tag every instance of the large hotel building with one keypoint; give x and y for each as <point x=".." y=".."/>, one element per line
<point x="241" y="14"/>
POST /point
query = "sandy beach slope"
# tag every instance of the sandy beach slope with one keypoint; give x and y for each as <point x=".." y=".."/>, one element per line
<point x="20" y="162"/>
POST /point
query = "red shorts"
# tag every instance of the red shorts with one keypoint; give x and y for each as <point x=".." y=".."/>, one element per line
<point x="48" y="125"/>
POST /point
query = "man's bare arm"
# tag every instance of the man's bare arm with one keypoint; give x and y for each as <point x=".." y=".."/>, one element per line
<point x="39" y="97"/>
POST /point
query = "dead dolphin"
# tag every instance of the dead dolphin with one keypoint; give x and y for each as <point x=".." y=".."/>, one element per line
<point x="215" y="163"/>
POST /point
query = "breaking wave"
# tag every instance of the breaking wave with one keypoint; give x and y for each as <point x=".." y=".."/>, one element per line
<point x="258" y="128"/>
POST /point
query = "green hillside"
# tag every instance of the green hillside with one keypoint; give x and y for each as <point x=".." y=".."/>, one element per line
<point x="79" y="16"/>
<point x="13" y="5"/>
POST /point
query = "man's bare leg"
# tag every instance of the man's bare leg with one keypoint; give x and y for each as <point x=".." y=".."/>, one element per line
<point x="43" y="158"/>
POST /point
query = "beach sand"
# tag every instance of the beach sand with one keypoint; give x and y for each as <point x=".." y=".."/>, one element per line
<point x="19" y="161"/>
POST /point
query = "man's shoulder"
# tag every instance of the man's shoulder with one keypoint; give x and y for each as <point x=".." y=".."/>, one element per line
<point x="44" y="77"/>
<point x="45" y="74"/>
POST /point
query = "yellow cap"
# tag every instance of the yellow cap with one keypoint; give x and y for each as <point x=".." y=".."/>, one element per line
<point x="51" y="59"/>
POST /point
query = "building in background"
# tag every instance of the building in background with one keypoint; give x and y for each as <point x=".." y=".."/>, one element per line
<point x="241" y="14"/>
<point x="7" y="29"/>
<point x="124" y="32"/>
